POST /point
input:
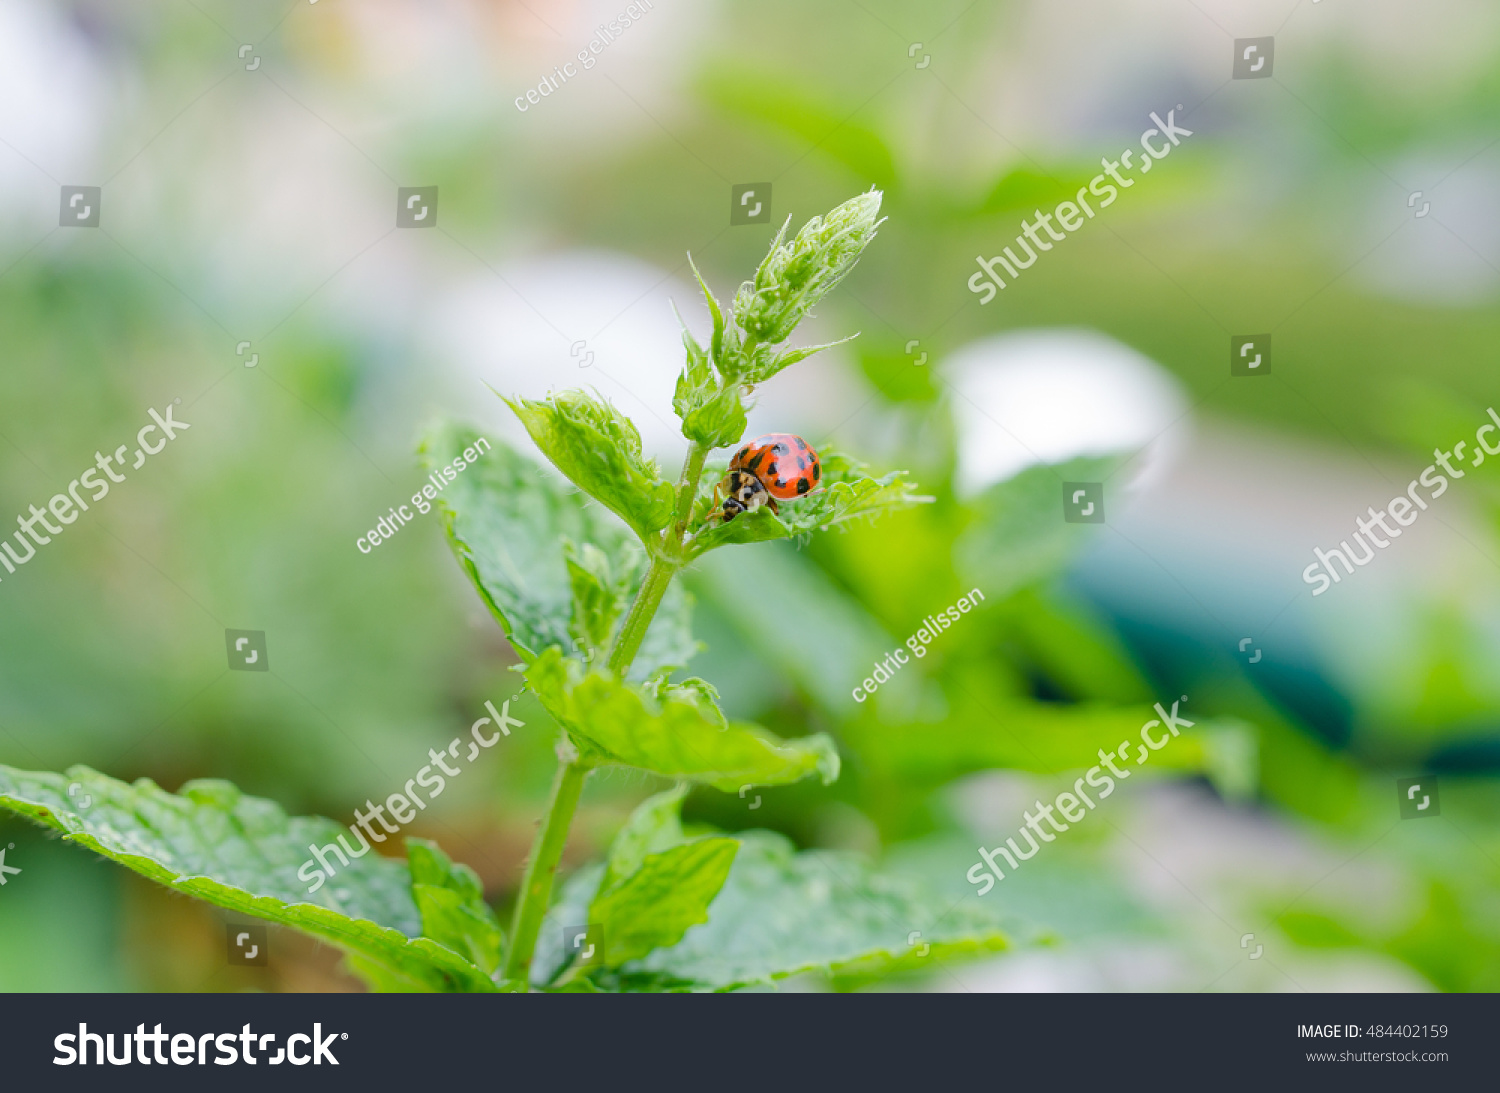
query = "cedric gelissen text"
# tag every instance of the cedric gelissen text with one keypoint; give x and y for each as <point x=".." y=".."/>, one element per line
<point x="1071" y="805"/>
<point x="1404" y="510"/>
<point x="400" y="804"/>
<point x="917" y="643"/>
<point x="85" y="1048"/>
<point x="1157" y="143"/>
<point x="604" y="34"/>
<point x="65" y="508"/>
<point x="400" y="515"/>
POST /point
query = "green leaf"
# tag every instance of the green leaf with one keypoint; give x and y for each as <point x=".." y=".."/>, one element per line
<point x="658" y="903"/>
<point x="759" y="373"/>
<point x="671" y="730"/>
<point x="509" y="525"/>
<point x="774" y="99"/>
<point x="713" y="417"/>
<point x="759" y="526"/>
<point x="243" y="853"/>
<point x="655" y="824"/>
<point x="602" y="588"/>
<point x="451" y="901"/>
<point x="656" y="884"/>
<point x="599" y="449"/>
<point x="783" y="913"/>
<point x="716" y="345"/>
<point x="1018" y="538"/>
<point x="984" y="730"/>
<point x="798" y="274"/>
<point x="834" y="642"/>
<point x="846" y="493"/>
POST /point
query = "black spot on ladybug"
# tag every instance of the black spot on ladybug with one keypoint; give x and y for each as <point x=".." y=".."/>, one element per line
<point x="803" y="485"/>
<point x="817" y="472"/>
<point x="801" y="443"/>
<point x="779" y="448"/>
<point x="754" y="464"/>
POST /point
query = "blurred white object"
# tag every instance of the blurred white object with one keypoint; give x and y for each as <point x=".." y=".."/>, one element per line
<point x="581" y="318"/>
<point x="1045" y="396"/>
<point x="50" y="110"/>
<point x="604" y="320"/>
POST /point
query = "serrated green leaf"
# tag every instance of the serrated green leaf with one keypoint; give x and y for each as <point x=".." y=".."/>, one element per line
<point x="508" y="521"/>
<point x="451" y="901"/>
<point x="670" y="732"/>
<point x="696" y="380"/>
<point x="716" y="345"/>
<point x="760" y="526"/>
<point x="711" y="416"/>
<point x="655" y="884"/>
<point x="797" y="274"/>
<point x="602" y="587"/>
<point x="599" y="449"/>
<point x="654" y="825"/>
<point x="244" y="853"/>
<point x="846" y="493"/>
<point x="714" y="418"/>
<point x="657" y="903"/>
<point x="760" y="371"/>
<point x="781" y="913"/>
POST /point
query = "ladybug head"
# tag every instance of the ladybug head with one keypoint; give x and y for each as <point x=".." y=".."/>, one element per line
<point x="745" y="493"/>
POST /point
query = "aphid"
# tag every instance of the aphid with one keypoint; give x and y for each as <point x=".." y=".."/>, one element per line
<point x="775" y="465"/>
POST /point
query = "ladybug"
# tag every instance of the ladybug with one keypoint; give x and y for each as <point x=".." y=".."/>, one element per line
<point x="771" y="466"/>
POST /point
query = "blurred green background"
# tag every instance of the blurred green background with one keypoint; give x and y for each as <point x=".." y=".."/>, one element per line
<point x="247" y="201"/>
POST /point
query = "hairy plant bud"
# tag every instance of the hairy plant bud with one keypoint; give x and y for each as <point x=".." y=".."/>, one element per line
<point x="796" y="275"/>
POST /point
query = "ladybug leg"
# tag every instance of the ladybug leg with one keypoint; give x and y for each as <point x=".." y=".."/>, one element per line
<point x="716" y="509"/>
<point x="771" y="501"/>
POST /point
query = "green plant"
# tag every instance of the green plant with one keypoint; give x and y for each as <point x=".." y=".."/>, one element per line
<point x="600" y="628"/>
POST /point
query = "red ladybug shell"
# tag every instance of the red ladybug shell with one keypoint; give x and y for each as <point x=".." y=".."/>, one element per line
<point x="785" y="464"/>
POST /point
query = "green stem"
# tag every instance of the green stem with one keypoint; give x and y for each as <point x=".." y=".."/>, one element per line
<point x="541" y="869"/>
<point x="633" y="632"/>
<point x="664" y="566"/>
<point x="536" y="886"/>
<point x="687" y="489"/>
